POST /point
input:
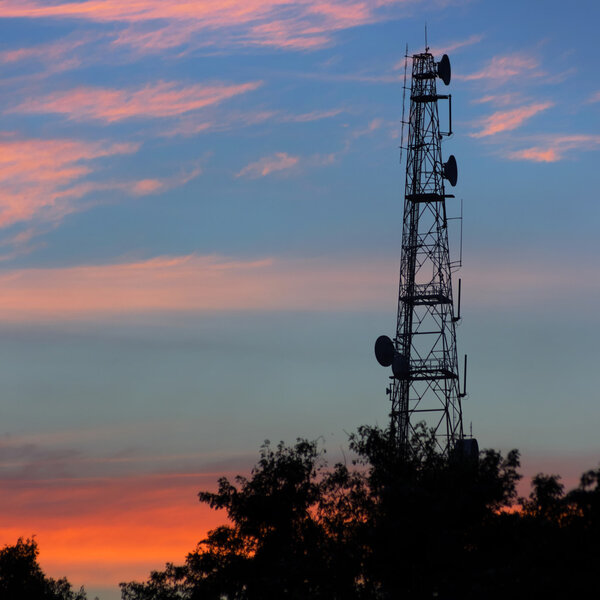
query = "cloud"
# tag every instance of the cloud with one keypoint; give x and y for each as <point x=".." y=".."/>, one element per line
<point x="43" y="180"/>
<point x="509" y="120"/>
<point x="157" y="24"/>
<point x="447" y="48"/>
<point x="40" y="177"/>
<point x="315" y="115"/>
<point x="194" y="283"/>
<point x="502" y="68"/>
<point x="190" y="283"/>
<point x="190" y="126"/>
<point x="499" y="99"/>
<point x="280" y="161"/>
<point x="556" y="147"/>
<point x="58" y="56"/>
<point x="104" y="530"/>
<point x="162" y="99"/>
<point x="373" y="125"/>
<point x="595" y="97"/>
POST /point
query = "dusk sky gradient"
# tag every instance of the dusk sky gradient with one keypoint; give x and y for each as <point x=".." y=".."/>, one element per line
<point x="200" y="222"/>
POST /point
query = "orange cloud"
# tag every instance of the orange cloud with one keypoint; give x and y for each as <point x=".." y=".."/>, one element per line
<point x="163" y="99"/>
<point x="279" y="161"/>
<point x="556" y="148"/>
<point x="509" y="119"/>
<point x="160" y="24"/>
<point x="502" y="68"/>
<point x="100" y="531"/>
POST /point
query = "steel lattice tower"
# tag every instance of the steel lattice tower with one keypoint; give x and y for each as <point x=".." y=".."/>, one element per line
<point x="423" y="354"/>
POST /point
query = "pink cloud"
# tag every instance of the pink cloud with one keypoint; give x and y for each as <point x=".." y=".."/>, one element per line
<point x="190" y="126"/>
<point x="163" y="99"/>
<point x="46" y="52"/>
<point x="595" y="97"/>
<point x="43" y="179"/>
<point x="160" y="24"/>
<point x="211" y="283"/>
<point x="498" y="99"/>
<point x="509" y="119"/>
<point x="38" y="176"/>
<point x="315" y="115"/>
<point x="438" y="51"/>
<point x="502" y="68"/>
<point x="556" y="148"/>
<point x="191" y="283"/>
<point x="280" y="161"/>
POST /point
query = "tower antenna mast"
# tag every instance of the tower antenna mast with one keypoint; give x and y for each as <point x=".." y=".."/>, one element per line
<point x="425" y="384"/>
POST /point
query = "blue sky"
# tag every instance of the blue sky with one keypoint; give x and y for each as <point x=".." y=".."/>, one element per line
<point x="200" y="233"/>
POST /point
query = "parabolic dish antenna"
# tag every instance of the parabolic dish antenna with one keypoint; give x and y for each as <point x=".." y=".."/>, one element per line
<point x="400" y="366"/>
<point x="384" y="350"/>
<point x="451" y="170"/>
<point x="444" y="71"/>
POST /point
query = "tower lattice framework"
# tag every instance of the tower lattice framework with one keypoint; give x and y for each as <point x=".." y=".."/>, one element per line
<point x="425" y="382"/>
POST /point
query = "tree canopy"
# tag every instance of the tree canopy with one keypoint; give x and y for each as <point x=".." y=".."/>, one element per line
<point x="21" y="577"/>
<point x="415" y="524"/>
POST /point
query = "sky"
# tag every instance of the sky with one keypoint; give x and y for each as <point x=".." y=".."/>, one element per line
<point x="200" y="226"/>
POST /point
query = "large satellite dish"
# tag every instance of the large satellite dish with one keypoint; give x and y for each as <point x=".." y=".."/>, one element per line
<point x="444" y="71"/>
<point x="400" y="366"/>
<point x="451" y="170"/>
<point x="384" y="350"/>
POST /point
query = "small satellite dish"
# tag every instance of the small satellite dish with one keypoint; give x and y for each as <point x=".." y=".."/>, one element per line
<point x="443" y="69"/>
<point x="450" y="171"/>
<point x="384" y="350"/>
<point x="400" y="366"/>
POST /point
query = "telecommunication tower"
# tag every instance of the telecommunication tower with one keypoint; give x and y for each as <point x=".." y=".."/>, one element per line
<point x="423" y="355"/>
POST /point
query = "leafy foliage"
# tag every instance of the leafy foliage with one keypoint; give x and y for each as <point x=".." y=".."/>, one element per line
<point x="413" y="524"/>
<point x="385" y="523"/>
<point x="22" y="578"/>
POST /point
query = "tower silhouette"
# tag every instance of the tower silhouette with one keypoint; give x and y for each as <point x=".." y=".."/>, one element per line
<point x="423" y="355"/>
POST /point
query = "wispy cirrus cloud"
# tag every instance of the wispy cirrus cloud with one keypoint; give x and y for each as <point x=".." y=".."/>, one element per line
<point x="41" y="178"/>
<point x="162" y="99"/>
<point x="189" y="283"/>
<point x="455" y="45"/>
<point x="502" y="68"/>
<point x="280" y="161"/>
<point x="447" y="48"/>
<point x="508" y="120"/>
<point x="58" y="56"/>
<point x="195" y="283"/>
<point x="499" y="99"/>
<point x="190" y="126"/>
<point x="557" y="148"/>
<point x="159" y="24"/>
<point x="595" y="97"/>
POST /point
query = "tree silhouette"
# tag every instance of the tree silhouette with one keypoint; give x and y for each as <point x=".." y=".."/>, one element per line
<point x="21" y="577"/>
<point x="389" y="523"/>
